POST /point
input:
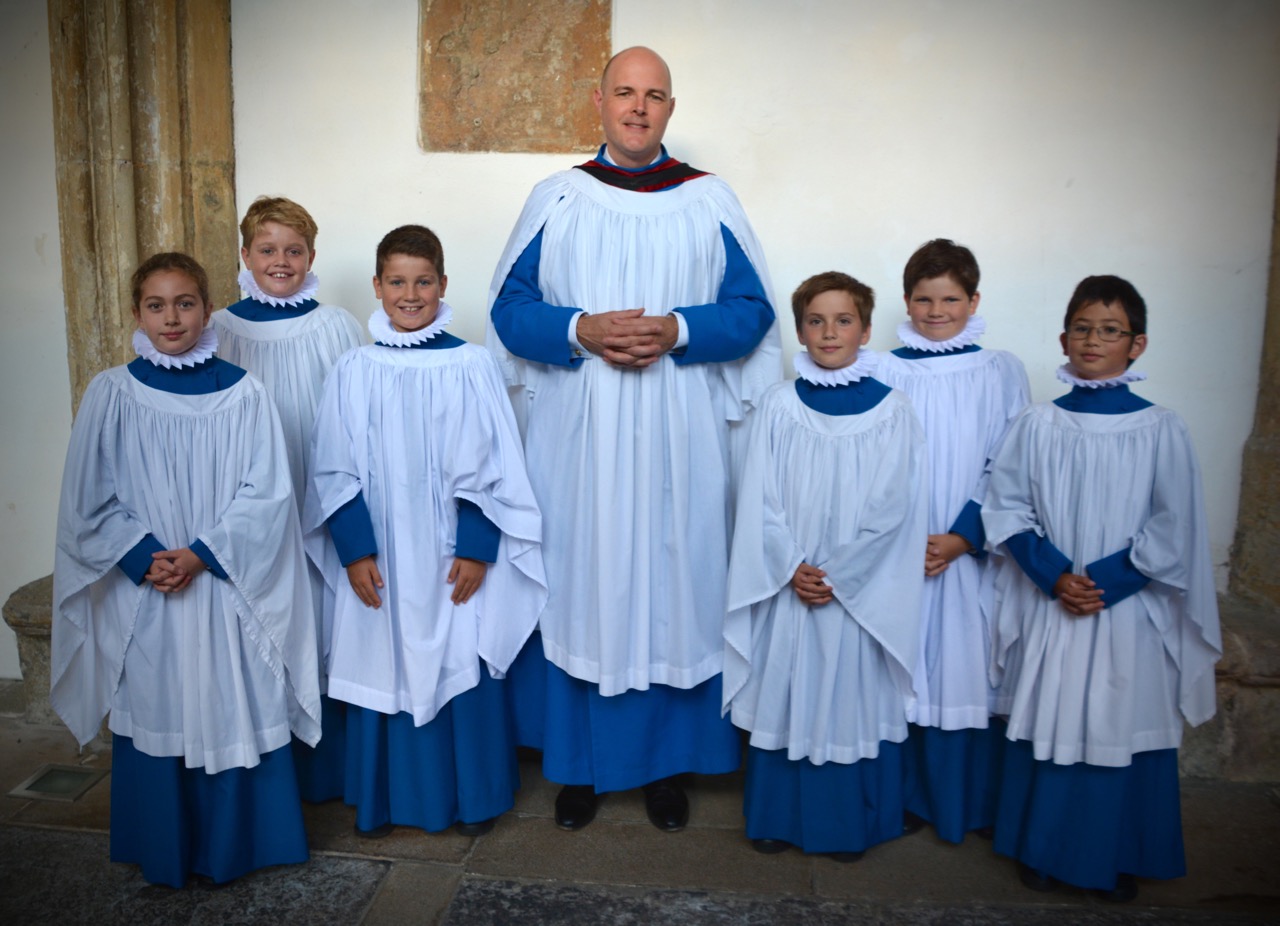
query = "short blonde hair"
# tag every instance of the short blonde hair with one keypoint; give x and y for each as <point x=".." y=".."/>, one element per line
<point x="278" y="209"/>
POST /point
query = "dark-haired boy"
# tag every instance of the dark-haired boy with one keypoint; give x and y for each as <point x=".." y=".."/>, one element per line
<point x="1105" y="631"/>
<point x="824" y="588"/>
<point x="424" y="524"/>
<point x="966" y="398"/>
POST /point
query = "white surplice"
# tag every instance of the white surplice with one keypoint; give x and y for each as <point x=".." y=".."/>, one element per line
<point x="221" y="672"/>
<point x="633" y="467"/>
<point x="845" y="493"/>
<point x="1098" y="689"/>
<point x="965" y="402"/>
<point x="416" y="430"/>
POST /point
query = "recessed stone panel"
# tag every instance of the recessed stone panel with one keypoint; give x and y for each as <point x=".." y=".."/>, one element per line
<point x="511" y="75"/>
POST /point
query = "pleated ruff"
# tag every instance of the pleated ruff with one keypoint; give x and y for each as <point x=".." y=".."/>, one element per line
<point x="1086" y="824"/>
<point x="321" y="768"/>
<point x="175" y="821"/>
<point x="459" y="767"/>
<point x="965" y="403"/>
<point x="952" y="777"/>
<point x="824" y="808"/>
<point x="619" y="742"/>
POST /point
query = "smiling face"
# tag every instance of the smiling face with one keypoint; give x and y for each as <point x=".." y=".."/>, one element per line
<point x="939" y="308"/>
<point x="170" y="311"/>
<point x="410" y="290"/>
<point x="278" y="258"/>
<point x="1093" y="357"/>
<point x="635" y="102"/>
<point x="831" y="329"/>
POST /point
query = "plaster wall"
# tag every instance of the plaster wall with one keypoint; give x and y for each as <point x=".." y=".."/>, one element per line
<point x="1056" y="140"/>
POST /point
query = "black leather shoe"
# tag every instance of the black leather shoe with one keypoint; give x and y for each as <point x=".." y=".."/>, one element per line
<point x="911" y="823"/>
<point x="473" y="829"/>
<point x="575" y="806"/>
<point x="1034" y="880"/>
<point x="377" y="832"/>
<point x="770" y="846"/>
<point x="666" y="804"/>
<point x="1126" y="889"/>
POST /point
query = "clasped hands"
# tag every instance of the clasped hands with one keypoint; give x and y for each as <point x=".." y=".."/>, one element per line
<point x="628" y="338"/>
<point x="173" y="570"/>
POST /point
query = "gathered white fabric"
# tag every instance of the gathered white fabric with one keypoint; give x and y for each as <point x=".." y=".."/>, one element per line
<point x="966" y="403"/>
<point x="632" y="468"/>
<point x="221" y="672"/>
<point x="1099" y="689"/>
<point x="310" y="285"/>
<point x="381" y="330"/>
<point x="845" y="493"/>
<point x="809" y="371"/>
<point x="416" y="431"/>
<point x="201" y="351"/>
<point x="973" y="331"/>
<point x="1067" y="374"/>
<point x="292" y="357"/>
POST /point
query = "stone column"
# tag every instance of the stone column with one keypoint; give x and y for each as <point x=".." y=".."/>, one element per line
<point x="1255" y="559"/>
<point x="145" y="157"/>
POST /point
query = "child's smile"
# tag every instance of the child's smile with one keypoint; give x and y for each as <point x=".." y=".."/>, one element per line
<point x="1098" y="341"/>
<point x="831" y="329"/>
<point x="410" y="291"/>
<point x="279" y="259"/>
<point x="170" y="311"/>
<point x="939" y="308"/>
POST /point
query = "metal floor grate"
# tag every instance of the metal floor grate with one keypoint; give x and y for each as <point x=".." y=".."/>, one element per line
<point x="59" y="782"/>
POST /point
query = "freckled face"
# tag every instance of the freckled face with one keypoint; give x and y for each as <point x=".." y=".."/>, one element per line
<point x="171" y="313"/>
<point x="410" y="290"/>
<point x="831" y="330"/>
<point x="278" y="258"/>
<point x="1091" y="356"/>
<point x="939" y="308"/>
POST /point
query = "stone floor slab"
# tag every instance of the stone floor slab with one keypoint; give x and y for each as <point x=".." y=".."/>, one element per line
<point x="414" y="892"/>
<point x="56" y="876"/>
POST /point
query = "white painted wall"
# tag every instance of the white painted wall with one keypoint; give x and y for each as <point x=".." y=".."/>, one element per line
<point x="35" y="393"/>
<point x="1055" y="139"/>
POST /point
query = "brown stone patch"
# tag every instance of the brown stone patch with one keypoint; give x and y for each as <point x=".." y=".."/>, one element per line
<point x="510" y="75"/>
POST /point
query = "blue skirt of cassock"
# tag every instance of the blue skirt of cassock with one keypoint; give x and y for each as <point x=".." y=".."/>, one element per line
<point x="1085" y="824"/>
<point x="824" y="808"/>
<point x="526" y="687"/>
<point x="320" y="769"/>
<point x="953" y="777"/>
<point x="460" y="766"/>
<point x="176" y="821"/>
<point x="624" y="741"/>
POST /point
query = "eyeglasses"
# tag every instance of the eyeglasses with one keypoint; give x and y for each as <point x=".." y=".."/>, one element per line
<point x="1105" y="332"/>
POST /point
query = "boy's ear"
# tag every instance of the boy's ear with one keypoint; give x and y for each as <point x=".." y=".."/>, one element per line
<point x="1139" y="345"/>
<point x="444" y="282"/>
<point x="377" y="286"/>
<point x="1062" y="339"/>
<point x="973" y="303"/>
<point x="866" y="336"/>
<point x="906" y="301"/>
<point x="244" y="256"/>
<point x="312" y="259"/>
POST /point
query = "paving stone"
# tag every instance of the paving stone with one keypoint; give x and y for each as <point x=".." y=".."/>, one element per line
<point x="414" y="892"/>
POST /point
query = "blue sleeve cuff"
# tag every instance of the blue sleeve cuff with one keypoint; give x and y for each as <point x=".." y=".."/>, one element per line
<point x="1040" y="560"/>
<point x="478" y="537"/>
<point x="968" y="524"/>
<point x="735" y="324"/>
<point x="137" y="562"/>
<point x="1117" y="577"/>
<point x="352" y="531"/>
<point x="206" y="556"/>
<point x="530" y="328"/>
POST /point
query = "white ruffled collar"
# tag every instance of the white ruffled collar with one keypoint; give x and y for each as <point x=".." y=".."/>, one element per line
<point x="1067" y="373"/>
<point x="310" y="283"/>
<point x="201" y="351"/>
<point x="383" y="333"/>
<point x="809" y="371"/>
<point x="974" y="328"/>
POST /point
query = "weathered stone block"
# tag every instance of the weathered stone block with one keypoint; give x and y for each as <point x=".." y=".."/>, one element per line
<point x="29" y="612"/>
<point x="510" y="75"/>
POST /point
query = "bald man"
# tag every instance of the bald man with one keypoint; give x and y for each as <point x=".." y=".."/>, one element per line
<point x="632" y="315"/>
